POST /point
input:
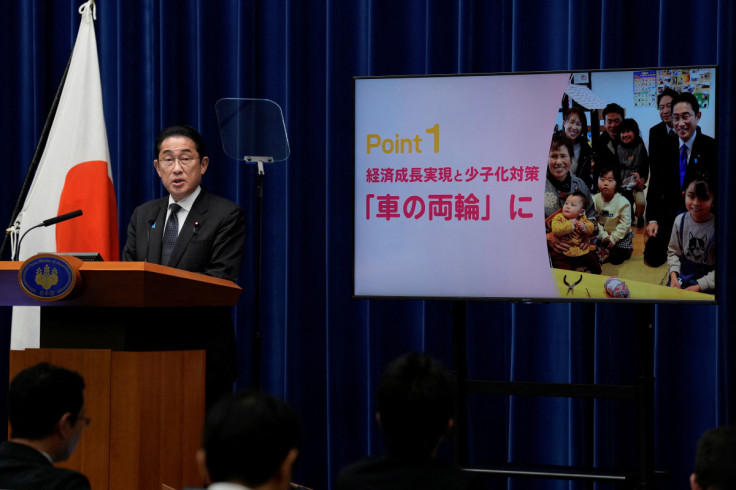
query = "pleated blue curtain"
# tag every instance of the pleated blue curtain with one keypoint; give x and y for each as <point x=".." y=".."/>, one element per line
<point x="169" y="61"/>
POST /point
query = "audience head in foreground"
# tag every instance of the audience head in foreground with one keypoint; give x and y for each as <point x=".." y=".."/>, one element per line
<point x="715" y="459"/>
<point x="416" y="399"/>
<point x="250" y="440"/>
<point x="47" y="416"/>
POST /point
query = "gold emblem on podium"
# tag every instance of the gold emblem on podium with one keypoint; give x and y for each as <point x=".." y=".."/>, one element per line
<point x="49" y="277"/>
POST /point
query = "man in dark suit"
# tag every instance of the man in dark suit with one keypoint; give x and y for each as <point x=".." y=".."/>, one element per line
<point x="416" y="412"/>
<point x="211" y="230"/>
<point x="604" y="147"/>
<point x="196" y="231"/>
<point x="46" y="412"/>
<point x="683" y="155"/>
<point x="662" y="132"/>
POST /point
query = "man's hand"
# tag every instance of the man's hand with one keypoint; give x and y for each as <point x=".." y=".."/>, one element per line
<point x="585" y="243"/>
<point x="556" y="244"/>
<point x="652" y="229"/>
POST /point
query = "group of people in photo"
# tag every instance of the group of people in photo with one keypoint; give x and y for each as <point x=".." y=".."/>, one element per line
<point x="597" y="194"/>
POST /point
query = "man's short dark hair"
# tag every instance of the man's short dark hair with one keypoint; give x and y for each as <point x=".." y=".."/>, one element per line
<point x="613" y="107"/>
<point x="416" y="397"/>
<point x="181" y="130"/>
<point x="667" y="91"/>
<point x="39" y="396"/>
<point x="247" y="436"/>
<point x="689" y="98"/>
<point x="714" y="459"/>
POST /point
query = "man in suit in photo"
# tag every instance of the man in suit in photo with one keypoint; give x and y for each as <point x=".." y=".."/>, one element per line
<point x="662" y="132"/>
<point x="714" y="460"/>
<point x="604" y="147"/>
<point x="683" y="155"/>
<point x="250" y="441"/>
<point x="193" y="230"/>
<point x="47" y="417"/>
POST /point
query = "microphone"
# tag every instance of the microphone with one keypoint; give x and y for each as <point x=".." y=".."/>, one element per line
<point x="151" y="225"/>
<point x="63" y="217"/>
<point x="48" y="222"/>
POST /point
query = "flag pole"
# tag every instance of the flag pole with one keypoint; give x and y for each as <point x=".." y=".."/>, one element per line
<point x="36" y="158"/>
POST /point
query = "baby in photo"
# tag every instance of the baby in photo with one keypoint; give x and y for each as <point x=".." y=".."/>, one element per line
<point x="574" y="228"/>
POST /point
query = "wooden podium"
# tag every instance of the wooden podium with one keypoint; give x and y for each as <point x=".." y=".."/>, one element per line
<point x="146" y="400"/>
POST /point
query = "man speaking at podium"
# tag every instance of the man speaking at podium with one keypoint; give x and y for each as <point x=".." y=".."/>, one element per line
<point x="195" y="231"/>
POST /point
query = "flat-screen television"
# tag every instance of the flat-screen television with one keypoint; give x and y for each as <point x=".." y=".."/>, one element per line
<point x="462" y="184"/>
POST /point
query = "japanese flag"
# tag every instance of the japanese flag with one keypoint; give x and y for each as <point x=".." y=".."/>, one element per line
<point x="73" y="173"/>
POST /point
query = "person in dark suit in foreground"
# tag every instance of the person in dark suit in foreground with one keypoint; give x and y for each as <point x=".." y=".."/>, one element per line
<point x="714" y="460"/>
<point x="193" y="230"/>
<point x="416" y="398"/>
<point x="250" y="441"/>
<point x="46" y="412"/>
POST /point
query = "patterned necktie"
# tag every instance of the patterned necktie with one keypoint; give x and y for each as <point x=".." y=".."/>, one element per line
<point x="683" y="163"/>
<point x="170" y="233"/>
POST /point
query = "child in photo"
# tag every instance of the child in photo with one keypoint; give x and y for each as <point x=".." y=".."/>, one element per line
<point x="691" y="255"/>
<point x="572" y="227"/>
<point x="615" y="238"/>
<point x="634" y="165"/>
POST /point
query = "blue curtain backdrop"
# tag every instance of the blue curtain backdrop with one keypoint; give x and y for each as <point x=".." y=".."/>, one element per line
<point x="169" y="61"/>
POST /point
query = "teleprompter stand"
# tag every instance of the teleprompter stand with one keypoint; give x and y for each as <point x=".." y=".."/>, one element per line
<point x="253" y="131"/>
<point x="642" y="393"/>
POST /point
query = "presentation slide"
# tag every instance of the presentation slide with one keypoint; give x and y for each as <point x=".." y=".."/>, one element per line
<point x="450" y="176"/>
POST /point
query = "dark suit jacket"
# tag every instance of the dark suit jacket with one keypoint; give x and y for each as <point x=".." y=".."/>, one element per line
<point x="378" y="473"/>
<point x="658" y="136"/>
<point x="210" y="242"/>
<point x="604" y="154"/>
<point x="664" y="199"/>
<point x="658" y="141"/>
<point x="24" y="468"/>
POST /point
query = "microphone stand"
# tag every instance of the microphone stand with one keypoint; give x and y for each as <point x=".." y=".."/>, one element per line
<point x="44" y="223"/>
